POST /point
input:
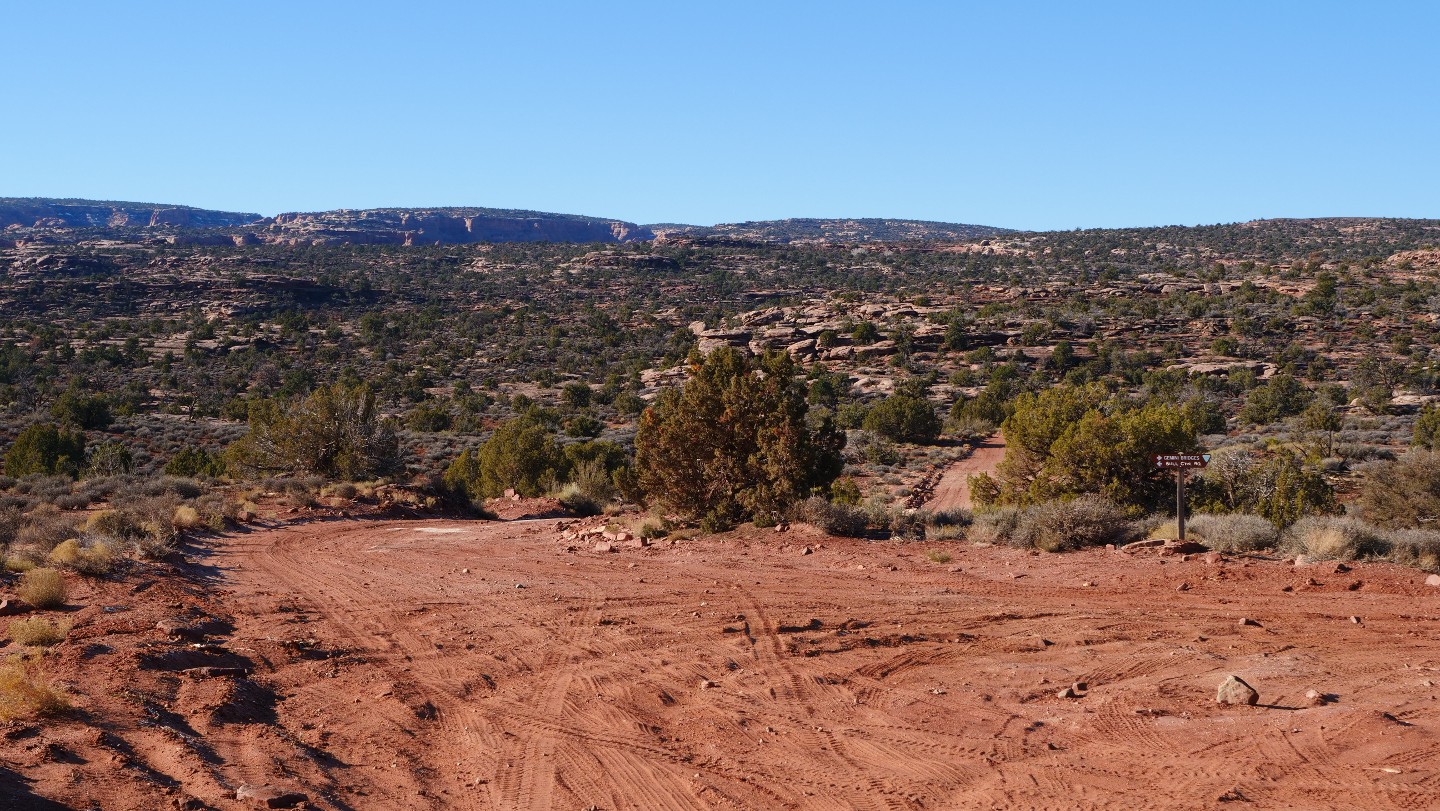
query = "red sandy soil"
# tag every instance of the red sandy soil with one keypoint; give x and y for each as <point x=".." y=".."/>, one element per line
<point x="953" y="489"/>
<point x="440" y="664"/>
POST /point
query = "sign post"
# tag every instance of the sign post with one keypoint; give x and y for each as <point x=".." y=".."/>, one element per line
<point x="1180" y="462"/>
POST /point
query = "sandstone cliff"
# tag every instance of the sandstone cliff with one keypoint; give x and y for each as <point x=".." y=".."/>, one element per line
<point x="392" y="226"/>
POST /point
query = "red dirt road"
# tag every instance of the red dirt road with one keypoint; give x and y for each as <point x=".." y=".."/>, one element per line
<point x="737" y="673"/>
<point x="953" y="489"/>
<point x="921" y="687"/>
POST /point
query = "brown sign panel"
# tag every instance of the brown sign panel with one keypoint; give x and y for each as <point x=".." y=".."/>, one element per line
<point x="1181" y="460"/>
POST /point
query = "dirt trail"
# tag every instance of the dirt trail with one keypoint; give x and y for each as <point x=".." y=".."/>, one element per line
<point x="736" y="673"/>
<point x="953" y="489"/>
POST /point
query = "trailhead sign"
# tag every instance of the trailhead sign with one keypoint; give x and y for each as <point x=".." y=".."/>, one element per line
<point x="1180" y="462"/>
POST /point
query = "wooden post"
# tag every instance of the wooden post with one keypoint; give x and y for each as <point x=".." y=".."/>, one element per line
<point x="1180" y="501"/>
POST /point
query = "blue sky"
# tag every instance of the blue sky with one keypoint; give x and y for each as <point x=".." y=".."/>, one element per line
<point x="1026" y="115"/>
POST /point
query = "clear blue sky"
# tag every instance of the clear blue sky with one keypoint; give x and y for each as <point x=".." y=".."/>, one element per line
<point x="1027" y="115"/>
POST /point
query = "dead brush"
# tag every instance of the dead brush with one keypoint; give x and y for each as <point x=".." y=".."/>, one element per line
<point x="44" y="528"/>
<point x="25" y="691"/>
<point x="148" y="525"/>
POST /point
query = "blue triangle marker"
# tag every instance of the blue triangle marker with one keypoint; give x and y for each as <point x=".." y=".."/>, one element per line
<point x="1206" y="457"/>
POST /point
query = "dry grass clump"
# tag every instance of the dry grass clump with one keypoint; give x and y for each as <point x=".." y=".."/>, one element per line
<point x="38" y="631"/>
<point x="833" y="519"/>
<point x="186" y="517"/>
<point x="938" y="556"/>
<point x="1331" y="538"/>
<point x="86" y="556"/>
<point x="1416" y="547"/>
<point x="25" y="691"/>
<point x="44" y="588"/>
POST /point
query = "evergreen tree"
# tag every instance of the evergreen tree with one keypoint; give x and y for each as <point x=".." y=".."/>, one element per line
<point x="735" y="441"/>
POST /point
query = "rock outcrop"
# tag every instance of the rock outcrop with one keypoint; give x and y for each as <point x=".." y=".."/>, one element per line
<point x="46" y="213"/>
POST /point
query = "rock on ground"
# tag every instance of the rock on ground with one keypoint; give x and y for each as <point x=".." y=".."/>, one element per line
<point x="1234" y="690"/>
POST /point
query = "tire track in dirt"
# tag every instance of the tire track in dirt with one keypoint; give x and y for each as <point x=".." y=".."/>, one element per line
<point x="592" y="696"/>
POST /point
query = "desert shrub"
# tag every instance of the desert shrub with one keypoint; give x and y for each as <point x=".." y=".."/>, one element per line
<point x="1055" y="526"/>
<point x="44" y="448"/>
<point x="43" y="588"/>
<point x="1336" y="538"/>
<point x="109" y="459"/>
<point x="186" y="517"/>
<point x="902" y="418"/>
<point x="10" y="522"/>
<point x="1404" y="493"/>
<point x="574" y="499"/>
<point x="340" y="490"/>
<point x="25" y="691"/>
<point x="73" y="501"/>
<point x="1234" y="532"/>
<point x="44" y="487"/>
<point x="37" y="631"/>
<point x="92" y="558"/>
<point x="146" y="525"/>
<point x="195" y="462"/>
<point x="736" y="440"/>
<point x="997" y="526"/>
<point x="651" y="527"/>
<point x="1416" y="547"/>
<point x="938" y="556"/>
<point x="834" y="519"/>
<point x="908" y="526"/>
<point x="876" y="449"/>
<point x="948" y="524"/>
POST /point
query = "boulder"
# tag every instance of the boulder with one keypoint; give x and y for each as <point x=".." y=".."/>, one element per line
<point x="1234" y="690"/>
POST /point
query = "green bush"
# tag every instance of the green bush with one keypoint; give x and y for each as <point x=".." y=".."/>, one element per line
<point x="43" y="448"/>
<point x="521" y="455"/>
<point x="195" y="462"/>
<point x="903" y="418"/>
